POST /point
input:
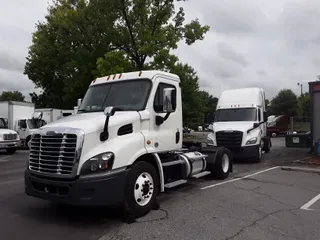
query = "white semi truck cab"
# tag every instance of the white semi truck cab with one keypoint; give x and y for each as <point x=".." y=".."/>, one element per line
<point x="123" y="146"/>
<point x="240" y="123"/>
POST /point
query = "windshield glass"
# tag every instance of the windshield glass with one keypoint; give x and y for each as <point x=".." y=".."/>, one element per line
<point x="238" y="114"/>
<point x="36" y="123"/>
<point x="3" y="123"/>
<point x="129" y="95"/>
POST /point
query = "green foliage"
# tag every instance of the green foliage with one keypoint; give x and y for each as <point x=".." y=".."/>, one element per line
<point x="82" y="40"/>
<point x="12" y="96"/>
<point x="65" y="49"/>
<point x="284" y="103"/>
<point x="304" y="105"/>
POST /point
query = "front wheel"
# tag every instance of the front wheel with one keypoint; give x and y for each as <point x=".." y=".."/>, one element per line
<point x="11" y="150"/>
<point x="222" y="164"/>
<point x="141" y="189"/>
<point x="258" y="155"/>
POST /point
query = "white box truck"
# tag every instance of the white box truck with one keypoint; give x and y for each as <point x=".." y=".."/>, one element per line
<point x="20" y="118"/>
<point x="49" y="114"/>
<point x="124" y="146"/>
<point x="9" y="139"/>
<point x="240" y="123"/>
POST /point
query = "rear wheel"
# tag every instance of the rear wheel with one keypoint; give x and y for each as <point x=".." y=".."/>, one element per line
<point x="11" y="150"/>
<point x="267" y="144"/>
<point x="141" y="189"/>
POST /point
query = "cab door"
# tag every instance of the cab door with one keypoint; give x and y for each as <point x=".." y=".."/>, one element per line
<point x="22" y="128"/>
<point x="166" y="135"/>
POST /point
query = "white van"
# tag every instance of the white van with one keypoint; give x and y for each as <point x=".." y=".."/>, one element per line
<point x="240" y="123"/>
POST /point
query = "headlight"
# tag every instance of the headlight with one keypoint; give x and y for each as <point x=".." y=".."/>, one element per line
<point x="209" y="141"/>
<point x="251" y="141"/>
<point x="96" y="164"/>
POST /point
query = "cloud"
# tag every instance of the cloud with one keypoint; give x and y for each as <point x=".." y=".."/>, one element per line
<point x="271" y="44"/>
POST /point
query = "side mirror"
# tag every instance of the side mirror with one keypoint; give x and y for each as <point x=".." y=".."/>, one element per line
<point x="255" y="125"/>
<point x="37" y="115"/>
<point x="109" y="111"/>
<point x="79" y="102"/>
<point x="265" y="117"/>
<point x="210" y="127"/>
<point x="169" y="100"/>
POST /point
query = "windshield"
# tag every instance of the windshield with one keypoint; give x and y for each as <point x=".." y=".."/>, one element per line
<point x="233" y="115"/>
<point x="3" y="123"/>
<point x="36" y="123"/>
<point x="129" y="95"/>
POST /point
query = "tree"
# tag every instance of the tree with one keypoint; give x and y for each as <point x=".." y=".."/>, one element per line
<point x="150" y="29"/>
<point x="284" y="103"/>
<point x="81" y="40"/>
<point x="65" y="49"/>
<point x="12" y="96"/>
<point x="304" y="105"/>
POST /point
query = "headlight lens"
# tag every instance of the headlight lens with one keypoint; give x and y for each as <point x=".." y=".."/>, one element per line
<point x="96" y="164"/>
<point x="251" y="141"/>
<point x="209" y="141"/>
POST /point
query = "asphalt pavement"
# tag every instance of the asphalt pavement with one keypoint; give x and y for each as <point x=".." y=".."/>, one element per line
<point x="258" y="201"/>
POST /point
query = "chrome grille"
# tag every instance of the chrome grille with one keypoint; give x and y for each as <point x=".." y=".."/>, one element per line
<point x="10" y="136"/>
<point x="229" y="139"/>
<point x="53" y="154"/>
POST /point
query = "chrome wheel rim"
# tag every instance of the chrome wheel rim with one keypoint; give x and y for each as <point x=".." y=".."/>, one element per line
<point x="225" y="163"/>
<point x="143" y="189"/>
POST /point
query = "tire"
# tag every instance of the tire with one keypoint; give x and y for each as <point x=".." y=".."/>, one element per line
<point x="140" y="197"/>
<point x="220" y="166"/>
<point x="258" y="155"/>
<point x="266" y="144"/>
<point x="11" y="150"/>
<point x="27" y="142"/>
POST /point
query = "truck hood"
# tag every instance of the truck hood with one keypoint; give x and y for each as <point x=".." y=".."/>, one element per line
<point x="93" y="122"/>
<point x="236" y="126"/>
<point x="7" y="131"/>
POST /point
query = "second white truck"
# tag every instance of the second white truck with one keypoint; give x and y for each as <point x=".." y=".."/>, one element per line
<point x="240" y="123"/>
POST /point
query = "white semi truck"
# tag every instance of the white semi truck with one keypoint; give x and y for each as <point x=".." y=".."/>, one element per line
<point x="240" y="123"/>
<point x="124" y="146"/>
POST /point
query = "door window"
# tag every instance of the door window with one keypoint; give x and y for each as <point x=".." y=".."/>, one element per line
<point x="158" y="99"/>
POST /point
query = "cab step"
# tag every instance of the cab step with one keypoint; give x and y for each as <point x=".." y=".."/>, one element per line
<point x="175" y="183"/>
<point x="167" y="164"/>
<point x="201" y="174"/>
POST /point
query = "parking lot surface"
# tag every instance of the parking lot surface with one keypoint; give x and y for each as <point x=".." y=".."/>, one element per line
<point x="258" y="201"/>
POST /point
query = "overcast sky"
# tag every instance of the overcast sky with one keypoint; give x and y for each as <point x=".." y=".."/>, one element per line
<point x="270" y="44"/>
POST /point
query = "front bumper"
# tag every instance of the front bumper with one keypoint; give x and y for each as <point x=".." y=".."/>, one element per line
<point x="99" y="191"/>
<point x="9" y="144"/>
<point x="245" y="152"/>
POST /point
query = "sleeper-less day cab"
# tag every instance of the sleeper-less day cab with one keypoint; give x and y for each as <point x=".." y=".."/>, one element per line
<point x="240" y="123"/>
<point x="123" y="146"/>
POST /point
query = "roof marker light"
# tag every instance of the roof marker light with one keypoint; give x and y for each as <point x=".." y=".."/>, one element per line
<point x="93" y="81"/>
<point x="108" y="78"/>
<point x="140" y="73"/>
<point x="120" y="75"/>
<point x="114" y="76"/>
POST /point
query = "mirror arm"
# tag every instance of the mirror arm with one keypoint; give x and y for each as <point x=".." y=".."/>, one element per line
<point x="160" y="120"/>
<point x="105" y="134"/>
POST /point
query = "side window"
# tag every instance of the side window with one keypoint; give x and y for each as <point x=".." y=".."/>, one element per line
<point x="259" y="115"/>
<point x="158" y="99"/>
<point x="22" y="124"/>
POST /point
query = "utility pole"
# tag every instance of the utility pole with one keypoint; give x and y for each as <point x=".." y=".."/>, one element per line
<point x="300" y="84"/>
